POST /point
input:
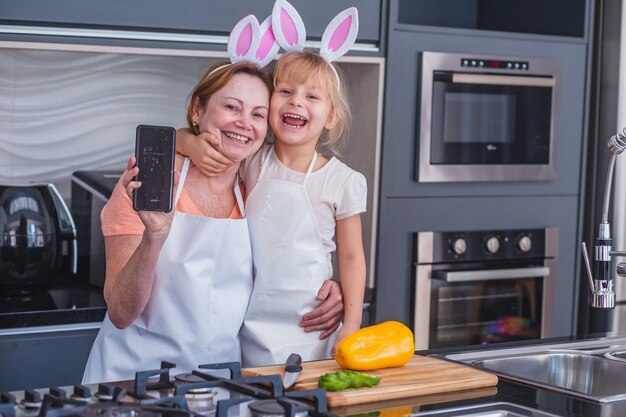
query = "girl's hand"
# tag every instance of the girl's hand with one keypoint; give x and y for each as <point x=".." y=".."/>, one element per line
<point x="157" y="223"/>
<point x="327" y="315"/>
<point x="202" y="151"/>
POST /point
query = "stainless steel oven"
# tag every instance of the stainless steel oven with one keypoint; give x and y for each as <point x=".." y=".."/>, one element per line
<point x="487" y="118"/>
<point x="477" y="287"/>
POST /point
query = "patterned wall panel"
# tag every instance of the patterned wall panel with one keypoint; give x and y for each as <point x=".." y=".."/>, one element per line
<point x="64" y="111"/>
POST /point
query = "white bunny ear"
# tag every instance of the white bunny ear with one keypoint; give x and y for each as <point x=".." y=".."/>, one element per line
<point x="288" y="26"/>
<point x="268" y="47"/>
<point x="340" y="34"/>
<point x="244" y="40"/>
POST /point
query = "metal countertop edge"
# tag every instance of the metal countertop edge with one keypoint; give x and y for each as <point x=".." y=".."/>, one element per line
<point x="50" y="329"/>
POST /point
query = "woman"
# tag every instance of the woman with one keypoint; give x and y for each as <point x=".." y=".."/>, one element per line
<point x="178" y="284"/>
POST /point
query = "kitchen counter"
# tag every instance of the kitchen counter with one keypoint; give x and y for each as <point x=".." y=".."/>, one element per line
<point x="45" y="338"/>
<point x="67" y="302"/>
<point x="485" y="401"/>
<point x="535" y="398"/>
<point x="538" y="399"/>
<point x="530" y="396"/>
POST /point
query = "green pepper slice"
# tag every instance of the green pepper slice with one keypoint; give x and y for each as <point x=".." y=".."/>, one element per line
<point x="346" y="379"/>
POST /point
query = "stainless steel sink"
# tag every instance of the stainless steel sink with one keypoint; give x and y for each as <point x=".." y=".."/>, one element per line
<point x="590" y="375"/>
<point x="616" y="355"/>
<point x="499" y="409"/>
<point x="595" y="370"/>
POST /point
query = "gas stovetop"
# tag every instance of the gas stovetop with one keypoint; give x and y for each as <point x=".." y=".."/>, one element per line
<point x="155" y="393"/>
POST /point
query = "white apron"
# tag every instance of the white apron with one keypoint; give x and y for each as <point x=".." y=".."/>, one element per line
<point x="202" y="286"/>
<point x="289" y="269"/>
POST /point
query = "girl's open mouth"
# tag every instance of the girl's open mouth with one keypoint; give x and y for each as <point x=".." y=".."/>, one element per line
<point x="294" y="120"/>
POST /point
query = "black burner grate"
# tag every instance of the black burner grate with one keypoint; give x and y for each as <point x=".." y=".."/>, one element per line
<point x="189" y="395"/>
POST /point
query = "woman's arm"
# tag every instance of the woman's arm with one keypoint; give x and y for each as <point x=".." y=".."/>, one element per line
<point x="130" y="268"/>
<point x="351" y="263"/>
<point x="201" y="151"/>
<point x="131" y="259"/>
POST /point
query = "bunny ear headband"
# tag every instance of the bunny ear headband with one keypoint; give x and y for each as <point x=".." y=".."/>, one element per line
<point x="338" y="37"/>
<point x="259" y="43"/>
<point x="250" y="41"/>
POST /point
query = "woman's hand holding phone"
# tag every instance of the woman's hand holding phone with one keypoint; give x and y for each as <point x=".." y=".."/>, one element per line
<point x="157" y="223"/>
<point x="155" y="154"/>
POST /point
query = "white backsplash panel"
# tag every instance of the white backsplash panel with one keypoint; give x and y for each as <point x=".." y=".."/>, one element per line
<point x="64" y="111"/>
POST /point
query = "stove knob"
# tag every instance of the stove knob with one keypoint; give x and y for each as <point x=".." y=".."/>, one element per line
<point x="32" y="396"/>
<point x="81" y="393"/>
<point x="6" y="398"/>
<point x="492" y="244"/>
<point x="459" y="246"/>
<point x="31" y="400"/>
<point x="524" y="244"/>
<point x="58" y="392"/>
<point x="105" y="392"/>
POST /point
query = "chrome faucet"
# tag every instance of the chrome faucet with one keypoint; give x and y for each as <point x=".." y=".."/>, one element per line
<point x="602" y="292"/>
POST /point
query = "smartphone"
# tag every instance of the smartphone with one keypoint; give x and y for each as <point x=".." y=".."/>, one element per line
<point x="155" y="147"/>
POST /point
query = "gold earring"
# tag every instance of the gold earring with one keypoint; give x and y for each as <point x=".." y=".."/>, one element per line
<point x="195" y="128"/>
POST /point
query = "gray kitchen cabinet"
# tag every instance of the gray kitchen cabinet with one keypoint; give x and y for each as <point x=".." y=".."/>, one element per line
<point x="44" y="357"/>
<point x="408" y="206"/>
<point x="520" y="16"/>
<point x="210" y="17"/>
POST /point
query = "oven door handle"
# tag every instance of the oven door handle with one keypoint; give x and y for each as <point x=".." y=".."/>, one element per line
<point x="462" y="78"/>
<point x="492" y="274"/>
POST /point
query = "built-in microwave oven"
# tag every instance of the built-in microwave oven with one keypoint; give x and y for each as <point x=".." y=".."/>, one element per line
<point x="487" y="118"/>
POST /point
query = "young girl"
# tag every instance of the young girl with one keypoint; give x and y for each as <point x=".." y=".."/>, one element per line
<point x="299" y="205"/>
<point x="302" y="205"/>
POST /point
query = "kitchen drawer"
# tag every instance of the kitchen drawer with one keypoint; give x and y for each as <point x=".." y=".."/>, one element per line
<point x="45" y="356"/>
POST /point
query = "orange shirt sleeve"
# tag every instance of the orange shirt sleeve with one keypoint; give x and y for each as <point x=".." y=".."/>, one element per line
<point x="119" y="218"/>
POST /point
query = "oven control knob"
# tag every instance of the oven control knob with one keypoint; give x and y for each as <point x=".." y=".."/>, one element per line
<point x="492" y="244"/>
<point x="524" y="244"/>
<point x="459" y="246"/>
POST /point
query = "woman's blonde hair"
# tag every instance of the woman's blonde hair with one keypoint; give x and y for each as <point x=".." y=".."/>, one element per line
<point x="217" y="76"/>
<point x="300" y="67"/>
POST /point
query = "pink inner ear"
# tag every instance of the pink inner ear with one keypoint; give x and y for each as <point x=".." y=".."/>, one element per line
<point x="244" y="41"/>
<point x="267" y="41"/>
<point x="340" y="34"/>
<point x="288" y="27"/>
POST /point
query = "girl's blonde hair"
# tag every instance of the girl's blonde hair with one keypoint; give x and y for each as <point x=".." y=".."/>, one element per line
<point x="217" y="77"/>
<point x="299" y="67"/>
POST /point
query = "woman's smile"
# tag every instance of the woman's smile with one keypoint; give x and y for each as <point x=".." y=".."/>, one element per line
<point x="237" y="137"/>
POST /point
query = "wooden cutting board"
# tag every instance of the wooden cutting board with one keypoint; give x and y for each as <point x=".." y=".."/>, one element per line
<point x="423" y="375"/>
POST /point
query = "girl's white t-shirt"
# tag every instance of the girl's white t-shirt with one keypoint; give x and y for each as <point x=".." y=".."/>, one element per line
<point x="336" y="191"/>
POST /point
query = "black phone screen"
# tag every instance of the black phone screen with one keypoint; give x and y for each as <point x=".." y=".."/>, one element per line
<point x="155" y="148"/>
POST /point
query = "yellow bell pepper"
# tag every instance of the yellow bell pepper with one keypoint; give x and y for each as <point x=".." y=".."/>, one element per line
<point x="384" y="345"/>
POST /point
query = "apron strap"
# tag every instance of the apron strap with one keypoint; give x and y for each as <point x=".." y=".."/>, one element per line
<point x="267" y="158"/>
<point x="310" y="169"/>
<point x="238" y="196"/>
<point x="181" y="181"/>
